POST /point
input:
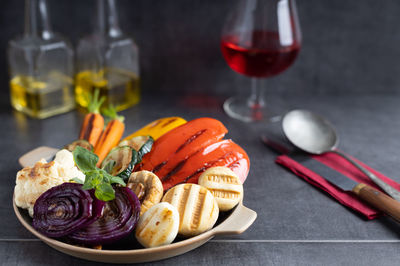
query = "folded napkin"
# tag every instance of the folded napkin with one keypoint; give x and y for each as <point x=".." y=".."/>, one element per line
<point x="341" y="165"/>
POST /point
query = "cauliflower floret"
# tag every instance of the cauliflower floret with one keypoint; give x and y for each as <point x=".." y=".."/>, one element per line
<point x="65" y="157"/>
<point x="31" y="182"/>
<point x="66" y="166"/>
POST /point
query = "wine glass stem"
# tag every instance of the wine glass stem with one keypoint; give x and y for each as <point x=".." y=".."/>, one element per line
<point x="256" y="100"/>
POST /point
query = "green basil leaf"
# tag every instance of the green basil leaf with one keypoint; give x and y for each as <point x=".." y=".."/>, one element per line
<point x="87" y="186"/>
<point x="117" y="180"/>
<point x="84" y="159"/>
<point x="113" y="179"/>
<point x="106" y="177"/>
<point x="104" y="192"/>
<point x="77" y="180"/>
<point x="98" y="179"/>
<point x="92" y="180"/>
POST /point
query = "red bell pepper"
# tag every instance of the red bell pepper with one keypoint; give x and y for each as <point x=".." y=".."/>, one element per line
<point x="223" y="153"/>
<point x="182" y="154"/>
<point x="181" y="142"/>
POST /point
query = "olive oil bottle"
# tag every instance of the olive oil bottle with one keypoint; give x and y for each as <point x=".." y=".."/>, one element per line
<point x="121" y="87"/>
<point x="41" y="66"/>
<point x="107" y="60"/>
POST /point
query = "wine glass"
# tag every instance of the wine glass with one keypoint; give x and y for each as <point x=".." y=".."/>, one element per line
<point x="260" y="39"/>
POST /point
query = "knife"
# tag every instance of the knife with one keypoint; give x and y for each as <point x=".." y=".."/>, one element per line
<point x="368" y="194"/>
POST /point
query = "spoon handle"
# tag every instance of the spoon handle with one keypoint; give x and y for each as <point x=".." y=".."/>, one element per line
<point x="386" y="187"/>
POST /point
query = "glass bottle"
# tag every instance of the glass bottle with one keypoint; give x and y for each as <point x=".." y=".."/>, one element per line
<point x="107" y="60"/>
<point x="41" y="66"/>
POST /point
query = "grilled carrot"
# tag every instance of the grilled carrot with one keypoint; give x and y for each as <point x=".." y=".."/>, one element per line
<point x="111" y="135"/>
<point x="93" y="123"/>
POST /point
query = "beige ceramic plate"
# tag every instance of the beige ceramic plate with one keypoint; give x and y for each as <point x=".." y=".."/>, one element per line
<point x="235" y="222"/>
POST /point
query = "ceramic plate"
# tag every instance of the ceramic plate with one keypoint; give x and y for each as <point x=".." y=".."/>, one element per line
<point x="128" y="250"/>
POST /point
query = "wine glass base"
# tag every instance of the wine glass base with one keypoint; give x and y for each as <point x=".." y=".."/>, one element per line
<point x="243" y="110"/>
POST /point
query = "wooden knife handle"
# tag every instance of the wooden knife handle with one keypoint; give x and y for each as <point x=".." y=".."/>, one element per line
<point x="378" y="200"/>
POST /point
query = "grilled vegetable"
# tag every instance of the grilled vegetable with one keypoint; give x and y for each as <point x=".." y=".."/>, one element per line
<point x="158" y="127"/>
<point x="158" y="226"/>
<point x="223" y="153"/>
<point x="182" y="142"/>
<point x="111" y="135"/>
<point x="136" y="142"/>
<point x="147" y="187"/>
<point x="118" y="220"/>
<point x="122" y="159"/>
<point x="182" y="154"/>
<point x="64" y="209"/>
<point x="93" y="122"/>
<point x="145" y="148"/>
<point x="80" y="142"/>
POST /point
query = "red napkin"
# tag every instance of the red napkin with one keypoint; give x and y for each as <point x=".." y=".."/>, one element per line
<point x="341" y="165"/>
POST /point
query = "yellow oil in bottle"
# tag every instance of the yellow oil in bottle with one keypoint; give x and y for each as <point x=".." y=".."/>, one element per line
<point x="120" y="87"/>
<point x="44" y="97"/>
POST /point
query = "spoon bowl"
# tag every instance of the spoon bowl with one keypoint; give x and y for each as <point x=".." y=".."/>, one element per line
<point x="309" y="132"/>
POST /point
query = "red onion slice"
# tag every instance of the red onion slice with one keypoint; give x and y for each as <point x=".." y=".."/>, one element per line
<point x="64" y="209"/>
<point x="119" y="218"/>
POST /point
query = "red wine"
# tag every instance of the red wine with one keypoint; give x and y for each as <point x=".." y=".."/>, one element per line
<point x="262" y="56"/>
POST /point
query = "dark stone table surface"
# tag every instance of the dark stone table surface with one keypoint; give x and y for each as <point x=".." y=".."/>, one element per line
<point x="296" y="225"/>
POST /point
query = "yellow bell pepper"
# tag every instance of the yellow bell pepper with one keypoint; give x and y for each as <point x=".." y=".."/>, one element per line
<point x="158" y="127"/>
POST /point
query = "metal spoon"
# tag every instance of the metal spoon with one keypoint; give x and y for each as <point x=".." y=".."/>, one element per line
<point x="315" y="135"/>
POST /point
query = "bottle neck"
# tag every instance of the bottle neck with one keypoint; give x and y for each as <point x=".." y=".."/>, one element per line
<point x="37" y="21"/>
<point x="107" y="19"/>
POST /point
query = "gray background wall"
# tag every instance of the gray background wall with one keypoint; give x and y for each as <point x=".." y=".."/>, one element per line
<point x="348" y="46"/>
